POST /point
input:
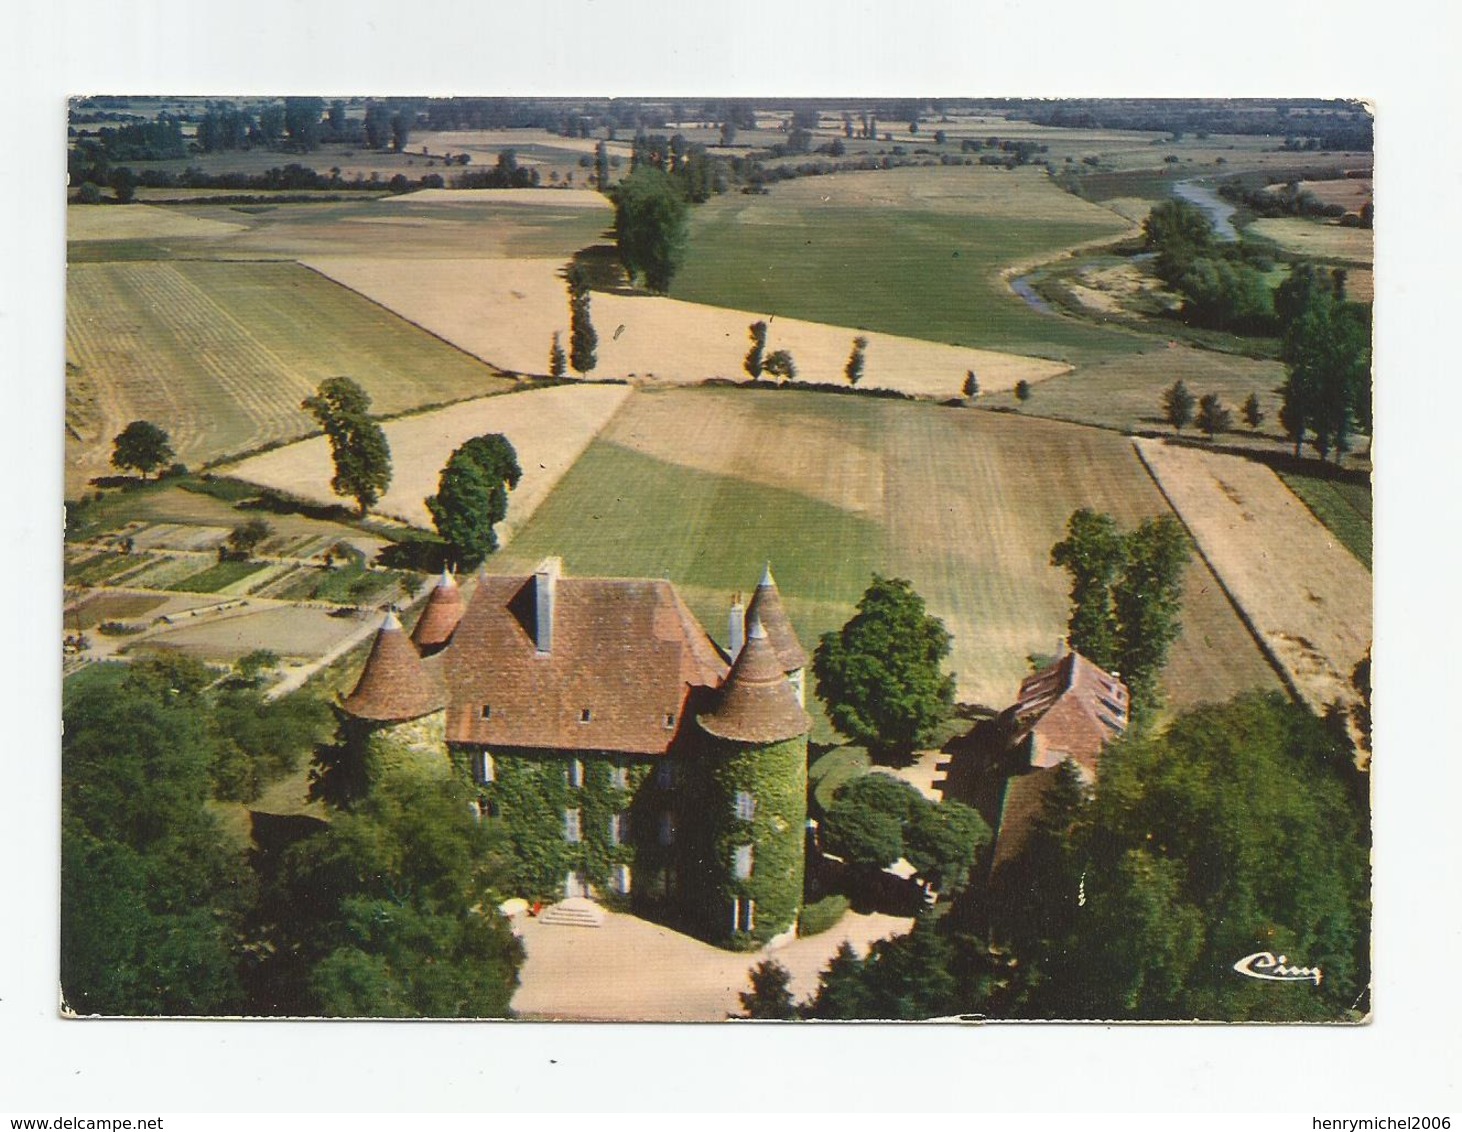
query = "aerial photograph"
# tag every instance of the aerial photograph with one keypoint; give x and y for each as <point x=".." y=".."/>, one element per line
<point x="686" y="559"/>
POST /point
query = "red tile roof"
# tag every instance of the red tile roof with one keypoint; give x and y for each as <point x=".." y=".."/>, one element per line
<point x="394" y="686"/>
<point x="757" y="704"/>
<point x="1073" y="709"/>
<point x="443" y="611"/>
<point x="626" y="656"/>
<point x="1020" y="809"/>
<point x="766" y="604"/>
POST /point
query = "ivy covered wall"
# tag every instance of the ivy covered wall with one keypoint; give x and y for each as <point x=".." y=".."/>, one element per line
<point x="530" y="793"/>
<point x="775" y="776"/>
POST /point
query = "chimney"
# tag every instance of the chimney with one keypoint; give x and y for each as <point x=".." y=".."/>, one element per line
<point x="545" y="583"/>
<point x="737" y="627"/>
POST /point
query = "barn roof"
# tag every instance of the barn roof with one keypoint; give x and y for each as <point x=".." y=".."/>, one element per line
<point x="394" y="685"/>
<point x="756" y="704"/>
<point x="443" y="611"/>
<point x="623" y="660"/>
<point x="1073" y="708"/>
<point x="766" y="604"/>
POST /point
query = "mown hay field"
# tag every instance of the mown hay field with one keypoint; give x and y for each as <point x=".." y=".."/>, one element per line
<point x="417" y="225"/>
<point x="1328" y="242"/>
<point x="1126" y="393"/>
<point x="1307" y="595"/>
<point x="703" y="486"/>
<point x="140" y="221"/>
<point x="221" y="354"/>
<point x="507" y="311"/>
<point x="549" y="428"/>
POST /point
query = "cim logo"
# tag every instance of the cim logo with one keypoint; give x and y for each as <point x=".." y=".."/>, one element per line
<point x="1275" y="969"/>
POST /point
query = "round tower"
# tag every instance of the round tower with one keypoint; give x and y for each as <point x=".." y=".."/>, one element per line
<point x="438" y="621"/>
<point x="397" y="698"/>
<point x="766" y="607"/>
<point x="752" y="804"/>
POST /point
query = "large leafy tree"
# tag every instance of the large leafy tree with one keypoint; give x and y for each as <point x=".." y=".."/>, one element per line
<point x="1327" y="352"/>
<point x="876" y="819"/>
<point x="143" y="447"/>
<point x="472" y="496"/>
<point x="1236" y="831"/>
<point x="1126" y="595"/>
<point x="1092" y="553"/>
<point x="357" y="443"/>
<point x="1179" y="232"/>
<point x="392" y="911"/>
<point x="1147" y="600"/>
<point x="650" y="225"/>
<point x="880" y="676"/>
<point x="1240" y="829"/>
<point x="153" y="893"/>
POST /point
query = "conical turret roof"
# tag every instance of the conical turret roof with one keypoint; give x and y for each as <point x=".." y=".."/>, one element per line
<point x="756" y="704"/>
<point x="766" y="605"/>
<point x="443" y="610"/>
<point x="394" y="685"/>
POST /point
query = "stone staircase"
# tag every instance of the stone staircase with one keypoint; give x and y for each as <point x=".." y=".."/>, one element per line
<point x="575" y="912"/>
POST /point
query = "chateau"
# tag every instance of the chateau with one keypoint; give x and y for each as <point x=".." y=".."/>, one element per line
<point x="629" y="757"/>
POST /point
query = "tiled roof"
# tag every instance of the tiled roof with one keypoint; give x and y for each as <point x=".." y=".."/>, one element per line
<point x="1073" y="708"/>
<point x="757" y="704"/>
<point x="766" y="604"/>
<point x="624" y="658"/>
<point x="1020" y="809"/>
<point x="443" y="611"/>
<point x="394" y="686"/>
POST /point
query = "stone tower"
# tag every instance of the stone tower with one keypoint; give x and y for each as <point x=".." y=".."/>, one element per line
<point x="438" y="621"/>
<point x="766" y="607"/>
<point x="398" y="697"/>
<point x="751" y="786"/>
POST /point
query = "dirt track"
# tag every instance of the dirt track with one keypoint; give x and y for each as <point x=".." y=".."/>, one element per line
<point x="630" y="970"/>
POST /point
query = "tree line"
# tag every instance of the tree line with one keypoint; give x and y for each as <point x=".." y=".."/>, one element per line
<point x="380" y="913"/>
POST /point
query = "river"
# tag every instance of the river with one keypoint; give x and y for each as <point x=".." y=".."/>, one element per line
<point x="1220" y="215"/>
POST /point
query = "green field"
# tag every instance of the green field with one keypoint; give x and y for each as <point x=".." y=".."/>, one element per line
<point x="221" y="354"/>
<point x="703" y="485"/>
<point x="1126" y="393"/>
<point x="1345" y="508"/>
<point x="216" y="577"/>
<point x="907" y="251"/>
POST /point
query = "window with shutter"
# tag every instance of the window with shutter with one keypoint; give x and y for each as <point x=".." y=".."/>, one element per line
<point x="571" y="831"/>
<point x="486" y="771"/>
<point x="745" y="805"/>
<point x="618" y="828"/>
<point x="576" y="773"/>
<point x="743" y="862"/>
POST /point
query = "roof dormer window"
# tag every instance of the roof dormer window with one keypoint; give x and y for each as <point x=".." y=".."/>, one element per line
<point x="585" y="715"/>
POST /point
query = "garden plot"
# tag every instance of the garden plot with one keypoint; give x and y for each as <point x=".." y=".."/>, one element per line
<point x="292" y="632"/>
<point x="1304" y="594"/>
<point x="507" y="311"/>
<point x="549" y="428"/>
